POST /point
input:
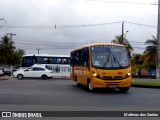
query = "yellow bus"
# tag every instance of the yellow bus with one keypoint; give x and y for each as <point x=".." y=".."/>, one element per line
<point x="101" y="65"/>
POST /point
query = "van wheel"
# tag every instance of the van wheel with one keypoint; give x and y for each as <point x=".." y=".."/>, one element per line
<point x="124" y="89"/>
<point x="20" y="76"/>
<point x="44" y="77"/>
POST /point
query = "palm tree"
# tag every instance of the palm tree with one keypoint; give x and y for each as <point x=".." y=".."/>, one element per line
<point x="17" y="56"/>
<point x="125" y="42"/>
<point x="6" y="50"/>
<point x="151" y="50"/>
<point x="9" y="55"/>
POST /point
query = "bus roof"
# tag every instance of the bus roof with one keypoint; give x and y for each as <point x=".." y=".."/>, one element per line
<point x="45" y="55"/>
<point x="96" y="44"/>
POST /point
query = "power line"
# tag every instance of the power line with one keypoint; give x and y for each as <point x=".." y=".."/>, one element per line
<point x="75" y="26"/>
<point x="61" y="27"/>
<point x="141" y="24"/>
<point x="124" y="2"/>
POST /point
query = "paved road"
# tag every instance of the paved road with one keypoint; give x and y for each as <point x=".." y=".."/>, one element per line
<point x="61" y="95"/>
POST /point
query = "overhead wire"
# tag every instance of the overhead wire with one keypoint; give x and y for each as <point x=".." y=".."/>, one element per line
<point x="61" y="27"/>
<point x="73" y="26"/>
<point x="124" y="2"/>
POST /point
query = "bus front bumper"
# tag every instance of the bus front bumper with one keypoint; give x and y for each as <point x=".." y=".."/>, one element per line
<point x="98" y="83"/>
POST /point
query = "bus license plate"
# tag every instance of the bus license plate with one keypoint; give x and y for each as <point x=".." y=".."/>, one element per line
<point x="112" y="86"/>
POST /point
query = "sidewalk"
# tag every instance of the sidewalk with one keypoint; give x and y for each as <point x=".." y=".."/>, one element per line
<point x="145" y="80"/>
<point x="3" y="78"/>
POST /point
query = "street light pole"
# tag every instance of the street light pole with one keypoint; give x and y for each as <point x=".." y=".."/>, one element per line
<point x="122" y="31"/>
<point x="125" y="35"/>
<point x="38" y="50"/>
<point x="158" y="43"/>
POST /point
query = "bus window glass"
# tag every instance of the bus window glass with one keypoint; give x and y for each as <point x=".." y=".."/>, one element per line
<point x="53" y="60"/>
<point x="120" y="57"/>
<point x="39" y="60"/>
<point x="109" y="57"/>
<point x="101" y="57"/>
<point x="59" y="61"/>
<point x="68" y="60"/>
<point x="46" y="60"/>
<point x="27" y="61"/>
<point x="64" y="60"/>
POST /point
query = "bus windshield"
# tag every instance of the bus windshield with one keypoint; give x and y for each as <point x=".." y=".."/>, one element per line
<point x="109" y="57"/>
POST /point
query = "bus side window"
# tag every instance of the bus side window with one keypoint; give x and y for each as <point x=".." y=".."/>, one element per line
<point x="46" y="60"/>
<point x="72" y="58"/>
<point x="39" y="60"/>
<point x="86" y="57"/>
<point x="59" y="61"/>
<point x="53" y="60"/>
<point x="64" y="60"/>
<point x="27" y="61"/>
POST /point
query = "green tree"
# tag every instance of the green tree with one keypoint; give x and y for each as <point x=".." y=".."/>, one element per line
<point x="8" y="53"/>
<point x="136" y="62"/>
<point x="17" y="56"/>
<point x="6" y="50"/>
<point x="151" y="49"/>
<point x="125" y="42"/>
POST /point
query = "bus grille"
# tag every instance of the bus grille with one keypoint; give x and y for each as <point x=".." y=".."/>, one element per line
<point x="112" y="78"/>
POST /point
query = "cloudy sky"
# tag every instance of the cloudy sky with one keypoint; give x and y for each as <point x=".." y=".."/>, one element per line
<point x="77" y="22"/>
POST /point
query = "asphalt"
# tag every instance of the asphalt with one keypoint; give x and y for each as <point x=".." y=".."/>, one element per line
<point x="132" y="85"/>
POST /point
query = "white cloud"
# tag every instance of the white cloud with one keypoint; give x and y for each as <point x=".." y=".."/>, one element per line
<point x="75" y="12"/>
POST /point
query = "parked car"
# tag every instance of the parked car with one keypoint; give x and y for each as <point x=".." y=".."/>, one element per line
<point x="1" y="73"/>
<point x="7" y="72"/>
<point x="14" y="70"/>
<point x="33" y="72"/>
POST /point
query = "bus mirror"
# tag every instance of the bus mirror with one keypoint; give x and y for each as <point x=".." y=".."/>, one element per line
<point x="26" y="70"/>
<point x="129" y="54"/>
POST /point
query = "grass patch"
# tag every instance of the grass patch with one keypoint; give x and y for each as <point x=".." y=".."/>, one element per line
<point x="147" y="83"/>
<point x="3" y="78"/>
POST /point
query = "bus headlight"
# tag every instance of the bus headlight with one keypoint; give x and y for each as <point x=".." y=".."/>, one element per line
<point x="127" y="75"/>
<point x="95" y="74"/>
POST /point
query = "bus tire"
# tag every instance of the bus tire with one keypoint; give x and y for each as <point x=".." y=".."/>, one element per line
<point x="124" y="89"/>
<point x="20" y="77"/>
<point x="89" y="86"/>
<point x="44" y="77"/>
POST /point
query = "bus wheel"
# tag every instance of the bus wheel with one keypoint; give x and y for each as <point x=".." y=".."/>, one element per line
<point x="89" y="86"/>
<point x="44" y="77"/>
<point x="77" y="83"/>
<point x="20" y="76"/>
<point x="123" y="89"/>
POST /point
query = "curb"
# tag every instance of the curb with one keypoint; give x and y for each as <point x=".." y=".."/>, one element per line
<point x="145" y="86"/>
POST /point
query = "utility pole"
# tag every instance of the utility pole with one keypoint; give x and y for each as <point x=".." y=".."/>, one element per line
<point x="10" y="34"/>
<point x="2" y="19"/>
<point x="158" y="43"/>
<point x="12" y="50"/>
<point x="122" y="31"/>
<point x="38" y="50"/>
